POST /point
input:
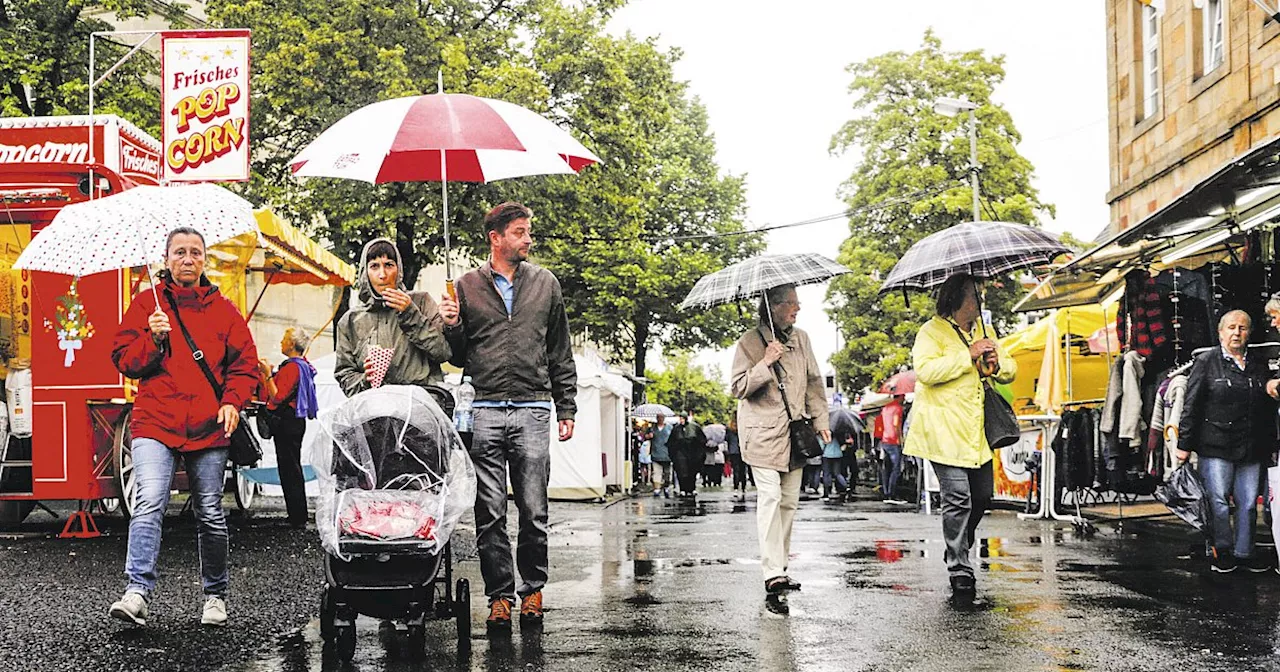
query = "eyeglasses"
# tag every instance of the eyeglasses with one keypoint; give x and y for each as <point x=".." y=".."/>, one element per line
<point x="788" y="303"/>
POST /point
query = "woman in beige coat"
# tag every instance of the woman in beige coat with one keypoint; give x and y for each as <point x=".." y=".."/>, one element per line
<point x="761" y="354"/>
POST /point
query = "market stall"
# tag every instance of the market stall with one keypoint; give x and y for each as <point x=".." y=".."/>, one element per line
<point x="1171" y="277"/>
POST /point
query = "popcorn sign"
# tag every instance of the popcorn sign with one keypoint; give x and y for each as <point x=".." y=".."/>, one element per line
<point x="206" y="105"/>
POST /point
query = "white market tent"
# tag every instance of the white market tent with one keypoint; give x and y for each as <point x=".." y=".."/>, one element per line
<point x="596" y="458"/>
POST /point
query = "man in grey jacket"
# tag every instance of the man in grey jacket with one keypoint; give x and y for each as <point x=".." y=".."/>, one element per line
<point x="508" y="329"/>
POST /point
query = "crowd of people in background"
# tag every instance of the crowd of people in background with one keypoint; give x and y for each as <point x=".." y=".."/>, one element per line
<point x="670" y="455"/>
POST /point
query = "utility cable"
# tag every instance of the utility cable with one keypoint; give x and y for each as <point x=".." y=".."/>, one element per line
<point x="927" y="191"/>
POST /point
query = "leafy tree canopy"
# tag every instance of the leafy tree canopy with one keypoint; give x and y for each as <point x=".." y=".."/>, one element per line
<point x="685" y="386"/>
<point x="627" y="238"/>
<point x="44" y="52"/>
<point x="911" y="182"/>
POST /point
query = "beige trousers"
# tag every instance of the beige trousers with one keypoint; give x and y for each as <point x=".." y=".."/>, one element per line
<point x="777" y="498"/>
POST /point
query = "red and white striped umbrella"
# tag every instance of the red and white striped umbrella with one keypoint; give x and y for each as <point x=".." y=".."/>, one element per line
<point x="443" y="137"/>
<point x="402" y="140"/>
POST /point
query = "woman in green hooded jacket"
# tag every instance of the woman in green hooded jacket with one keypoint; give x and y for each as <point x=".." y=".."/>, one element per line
<point x="389" y="316"/>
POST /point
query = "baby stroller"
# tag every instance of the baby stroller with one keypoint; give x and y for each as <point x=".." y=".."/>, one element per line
<point x="394" y="480"/>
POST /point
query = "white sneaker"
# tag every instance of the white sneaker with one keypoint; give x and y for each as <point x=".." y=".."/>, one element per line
<point x="132" y="608"/>
<point x="215" y="612"/>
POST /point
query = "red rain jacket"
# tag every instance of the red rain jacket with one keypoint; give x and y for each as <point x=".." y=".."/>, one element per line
<point x="176" y="405"/>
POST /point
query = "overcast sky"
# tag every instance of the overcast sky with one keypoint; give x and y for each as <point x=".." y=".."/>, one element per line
<point x="774" y="83"/>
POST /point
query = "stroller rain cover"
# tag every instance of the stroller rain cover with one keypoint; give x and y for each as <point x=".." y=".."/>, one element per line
<point x="390" y="468"/>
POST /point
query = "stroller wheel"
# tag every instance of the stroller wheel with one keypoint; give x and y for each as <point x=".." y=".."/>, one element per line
<point x="417" y="640"/>
<point x="327" y="614"/>
<point x="462" y="612"/>
<point x="346" y="641"/>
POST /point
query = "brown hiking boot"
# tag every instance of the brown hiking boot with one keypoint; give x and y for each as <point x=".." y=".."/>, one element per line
<point x="499" y="613"/>
<point x="531" y="608"/>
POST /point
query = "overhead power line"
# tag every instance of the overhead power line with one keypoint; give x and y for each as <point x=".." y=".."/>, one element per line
<point x="927" y="191"/>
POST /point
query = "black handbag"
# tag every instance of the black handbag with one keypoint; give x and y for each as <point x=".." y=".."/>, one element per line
<point x="265" y="420"/>
<point x="804" y="438"/>
<point x="1000" y="423"/>
<point x="244" y="450"/>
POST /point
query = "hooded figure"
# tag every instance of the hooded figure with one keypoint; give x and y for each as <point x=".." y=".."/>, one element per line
<point x="413" y="333"/>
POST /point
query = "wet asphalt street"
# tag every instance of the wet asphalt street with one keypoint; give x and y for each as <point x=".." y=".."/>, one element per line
<point x="655" y="584"/>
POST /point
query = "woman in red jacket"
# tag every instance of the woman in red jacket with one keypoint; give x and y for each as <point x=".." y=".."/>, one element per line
<point x="177" y="413"/>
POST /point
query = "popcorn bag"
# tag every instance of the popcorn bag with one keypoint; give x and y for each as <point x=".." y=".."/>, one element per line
<point x="380" y="358"/>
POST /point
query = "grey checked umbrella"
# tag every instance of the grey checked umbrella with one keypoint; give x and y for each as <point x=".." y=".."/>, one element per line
<point x="753" y="276"/>
<point x="981" y="249"/>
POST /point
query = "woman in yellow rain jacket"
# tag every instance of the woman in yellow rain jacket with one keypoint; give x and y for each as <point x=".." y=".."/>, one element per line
<point x="947" y="419"/>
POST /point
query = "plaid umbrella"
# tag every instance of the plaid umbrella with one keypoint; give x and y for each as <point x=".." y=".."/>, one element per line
<point x="753" y="276"/>
<point x="981" y="249"/>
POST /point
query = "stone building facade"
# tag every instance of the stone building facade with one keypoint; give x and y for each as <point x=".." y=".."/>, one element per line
<point x="1191" y="85"/>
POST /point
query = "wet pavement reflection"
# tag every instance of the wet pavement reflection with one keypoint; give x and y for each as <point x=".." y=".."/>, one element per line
<point x="659" y="584"/>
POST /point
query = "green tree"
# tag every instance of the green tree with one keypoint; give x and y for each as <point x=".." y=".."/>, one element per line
<point x="44" y="50"/>
<point x="685" y="386"/>
<point x="627" y="238"/>
<point x="315" y="61"/>
<point x="1077" y="245"/>
<point x="911" y="182"/>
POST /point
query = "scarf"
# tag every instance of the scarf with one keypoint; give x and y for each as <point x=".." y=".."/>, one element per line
<point x="306" y="392"/>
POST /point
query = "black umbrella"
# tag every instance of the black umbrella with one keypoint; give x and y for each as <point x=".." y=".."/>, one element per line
<point x="981" y="249"/>
<point x="844" y="424"/>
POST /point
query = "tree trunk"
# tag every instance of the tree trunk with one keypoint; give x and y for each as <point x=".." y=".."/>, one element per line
<point x="408" y="256"/>
<point x="642" y="347"/>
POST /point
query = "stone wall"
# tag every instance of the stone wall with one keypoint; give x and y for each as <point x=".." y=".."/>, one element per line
<point x="1203" y="119"/>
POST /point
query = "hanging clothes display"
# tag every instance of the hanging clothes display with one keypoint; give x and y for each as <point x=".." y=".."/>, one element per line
<point x="1074" y="446"/>
<point x="1141" y="325"/>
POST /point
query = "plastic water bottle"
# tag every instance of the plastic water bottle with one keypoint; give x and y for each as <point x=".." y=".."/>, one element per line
<point x="463" y="416"/>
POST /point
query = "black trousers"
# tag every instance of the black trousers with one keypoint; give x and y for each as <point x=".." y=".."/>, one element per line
<point x="687" y="462"/>
<point x="288" y="439"/>
<point x="740" y="471"/>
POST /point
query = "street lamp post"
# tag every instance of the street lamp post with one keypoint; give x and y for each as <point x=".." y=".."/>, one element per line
<point x="950" y="107"/>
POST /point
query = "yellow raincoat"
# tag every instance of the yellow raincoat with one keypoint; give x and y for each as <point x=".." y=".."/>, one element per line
<point x="946" y="419"/>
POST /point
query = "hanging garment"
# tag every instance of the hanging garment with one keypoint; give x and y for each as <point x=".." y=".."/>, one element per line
<point x="1142" y="325"/>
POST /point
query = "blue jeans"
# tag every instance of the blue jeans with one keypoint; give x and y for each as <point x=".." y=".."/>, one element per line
<point x="891" y="469"/>
<point x="1240" y="480"/>
<point x="518" y="439"/>
<point x="153" y="465"/>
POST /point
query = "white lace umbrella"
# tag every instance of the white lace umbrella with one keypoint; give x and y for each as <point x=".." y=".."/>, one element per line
<point x="130" y="228"/>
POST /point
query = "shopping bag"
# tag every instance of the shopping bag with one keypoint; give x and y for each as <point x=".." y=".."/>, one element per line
<point x="1184" y="494"/>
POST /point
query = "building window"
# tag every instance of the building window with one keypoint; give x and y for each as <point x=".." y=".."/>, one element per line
<point x="1150" y="61"/>
<point x="1214" y="48"/>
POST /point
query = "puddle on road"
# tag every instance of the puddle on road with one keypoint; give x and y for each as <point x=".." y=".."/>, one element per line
<point x="650" y="566"/>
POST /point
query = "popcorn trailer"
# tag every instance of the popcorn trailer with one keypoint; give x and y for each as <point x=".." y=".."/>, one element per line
<point x="67" y="406"/>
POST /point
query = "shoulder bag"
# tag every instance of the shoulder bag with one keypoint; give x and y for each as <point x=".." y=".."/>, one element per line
<point x="1000" y="424"/>
<point x="804" y="438"/>
<point x="244" y="451"/>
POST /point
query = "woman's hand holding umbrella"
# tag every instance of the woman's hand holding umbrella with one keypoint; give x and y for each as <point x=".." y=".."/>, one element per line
<point x="773" y="353"/>
<point x="158" y="323"/>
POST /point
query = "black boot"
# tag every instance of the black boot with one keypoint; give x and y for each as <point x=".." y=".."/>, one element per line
<point x="963" y="588"/>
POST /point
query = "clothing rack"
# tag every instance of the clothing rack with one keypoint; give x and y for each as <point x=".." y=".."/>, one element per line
<point x="1083" y="402"/>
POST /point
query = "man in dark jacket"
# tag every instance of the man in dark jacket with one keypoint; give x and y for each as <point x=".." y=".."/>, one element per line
<point x="508" y="329"/>
<point x="1229" y="420"/>
<point x="688" y="446"/>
